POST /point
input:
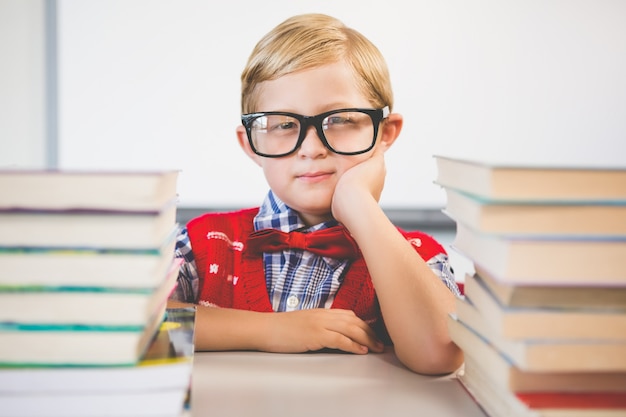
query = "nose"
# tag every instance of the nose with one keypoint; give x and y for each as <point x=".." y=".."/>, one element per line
<point x="312" y="145"/>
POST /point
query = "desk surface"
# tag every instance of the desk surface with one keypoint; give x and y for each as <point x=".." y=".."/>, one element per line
<point x="320" y="384"/>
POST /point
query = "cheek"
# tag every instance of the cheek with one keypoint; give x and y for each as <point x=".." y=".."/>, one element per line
<point x="275" y="173"/>
<point x="350" y="161"/>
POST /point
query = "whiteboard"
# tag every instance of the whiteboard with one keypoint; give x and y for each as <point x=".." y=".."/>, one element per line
<point x="151" y="84"/>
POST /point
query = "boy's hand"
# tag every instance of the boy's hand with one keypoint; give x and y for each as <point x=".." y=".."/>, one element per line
<point x="315" y="329"/>
<point x="362" y="180"/>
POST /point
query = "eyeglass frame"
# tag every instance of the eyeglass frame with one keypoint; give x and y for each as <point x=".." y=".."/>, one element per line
<point x="376" y="115"/>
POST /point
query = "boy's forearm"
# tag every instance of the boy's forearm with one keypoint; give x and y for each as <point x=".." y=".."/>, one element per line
<point x="414" y="302"/>
<point x="220" y="329"/>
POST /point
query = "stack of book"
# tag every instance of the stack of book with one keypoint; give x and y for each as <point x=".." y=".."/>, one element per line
<point x="542" y="322"/>
<point x="86" y="267"/>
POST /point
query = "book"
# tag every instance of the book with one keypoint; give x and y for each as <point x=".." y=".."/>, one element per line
<point x="161" y="403"/>
<point x="481" y="353"/>
<point x="521" y="218"/>
<point x="159" y="385"/>
<point x="85" y="190"/>
<point x="497" y="401"/>
<point x="507" y="182"/>
<point x="87" y="229"/>
<point x="85" y="267"/>
<point x="25" y="344"/>
<point x="85" y="305"/>
<point x="544" y="261"/>
<point x="545" y="322"/>
<point x="542" y="323"/>
<point x="555" y="296"/>
<point x="546" y="354"/>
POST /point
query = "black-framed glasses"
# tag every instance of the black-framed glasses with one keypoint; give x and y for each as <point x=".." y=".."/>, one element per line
<point x="350" y="131"/>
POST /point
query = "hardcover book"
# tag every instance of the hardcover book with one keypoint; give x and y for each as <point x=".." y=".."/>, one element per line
<point x="76" y="345"/>
<point x="86" y="190"/>
<point x="583" y="295"/>
<point x="544" y="261"/>
<point x="498" y="181"/>
<point x="538" y="219"/>
<point x="545" y="322"/>
<point x="85" y="305"/>
<point x="497" y="401"/>
<point x="87" y="229"/>
<point x="159" y="385"/>
<point x="500" y="367"/>
<point x="544" y="354"/>
<point x="111" y="268"/>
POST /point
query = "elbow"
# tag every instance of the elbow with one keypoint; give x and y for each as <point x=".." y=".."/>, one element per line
<point x="438" y="361"/>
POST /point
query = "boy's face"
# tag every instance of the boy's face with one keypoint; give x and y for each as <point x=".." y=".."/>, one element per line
<point x="306" y="179"/>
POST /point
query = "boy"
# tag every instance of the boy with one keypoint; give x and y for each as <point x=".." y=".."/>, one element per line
<point x="316" y="103"/>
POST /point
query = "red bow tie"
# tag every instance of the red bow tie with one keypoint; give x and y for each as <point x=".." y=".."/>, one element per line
<point x="333" y="242"/>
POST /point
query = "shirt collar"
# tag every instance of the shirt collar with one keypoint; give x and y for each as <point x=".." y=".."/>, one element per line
<point x="275" y="214"/>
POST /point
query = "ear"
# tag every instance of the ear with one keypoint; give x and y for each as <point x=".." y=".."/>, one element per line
<point x="242" y="138"/>
<point x="390" y="129"/>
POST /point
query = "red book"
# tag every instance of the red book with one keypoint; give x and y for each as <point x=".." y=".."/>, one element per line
<point x="570" y="400"/>
<point x="497" y="402"/>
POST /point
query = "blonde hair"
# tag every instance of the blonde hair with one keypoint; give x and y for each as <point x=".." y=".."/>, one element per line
<point x="313" y="40"/>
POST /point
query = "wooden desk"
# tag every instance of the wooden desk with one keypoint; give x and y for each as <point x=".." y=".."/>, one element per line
<point x="320" y="384"/>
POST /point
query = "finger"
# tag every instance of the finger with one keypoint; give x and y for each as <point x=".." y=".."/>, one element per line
<point x="366" y="338"/>
<point x="342" y="342"/>
<point x="351" y="326"/>
<point x="380" y="149"/>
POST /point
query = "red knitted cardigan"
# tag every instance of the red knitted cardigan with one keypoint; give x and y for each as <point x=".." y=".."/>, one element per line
<point x="229" y="277"/>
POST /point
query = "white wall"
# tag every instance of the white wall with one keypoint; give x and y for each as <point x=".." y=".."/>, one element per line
<point x="22" y="84"/>
<point x="154" y="83"/>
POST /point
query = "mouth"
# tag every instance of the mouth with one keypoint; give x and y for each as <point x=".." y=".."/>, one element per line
<point x="314" y="177"/>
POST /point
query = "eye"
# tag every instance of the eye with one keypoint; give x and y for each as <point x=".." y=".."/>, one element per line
<point x="285" y="125"/>
<point x="337" y="120"/>
<point x="280" y="124"/>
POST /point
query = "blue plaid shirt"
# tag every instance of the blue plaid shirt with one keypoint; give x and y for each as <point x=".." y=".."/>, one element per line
<point x="296" y="280"/>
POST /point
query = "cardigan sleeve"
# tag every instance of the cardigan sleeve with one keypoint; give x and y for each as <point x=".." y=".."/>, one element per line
<point x="187" y="286"/>
<point x="435" y="256"/>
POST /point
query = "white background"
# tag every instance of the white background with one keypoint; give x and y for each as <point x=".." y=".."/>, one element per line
<point x="151" y="84"/>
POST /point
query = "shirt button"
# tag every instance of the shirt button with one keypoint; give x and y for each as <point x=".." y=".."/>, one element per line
<point x="292" y="301"/>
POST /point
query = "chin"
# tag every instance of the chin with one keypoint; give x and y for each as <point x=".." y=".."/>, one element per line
<point x="320" y="213"/>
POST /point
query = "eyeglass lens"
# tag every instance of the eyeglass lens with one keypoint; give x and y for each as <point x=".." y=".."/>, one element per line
<point x="345" y="132"/>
